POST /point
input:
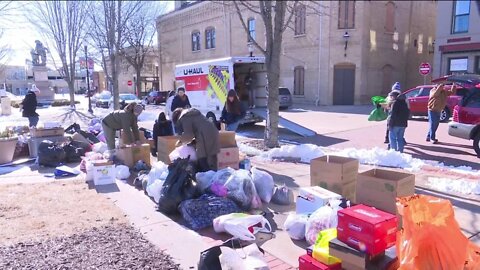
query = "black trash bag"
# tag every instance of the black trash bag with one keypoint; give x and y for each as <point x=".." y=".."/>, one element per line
<point x="282" y="195"/>
<point x="50" y="154"/>
<point x="74" y="151"/>
<point x="209" y="259"/>
<point x="91" y="138"/>
<point x="72" y="128"/>
<point x="180" y="185"/>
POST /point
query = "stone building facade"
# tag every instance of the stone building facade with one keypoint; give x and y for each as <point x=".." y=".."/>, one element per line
<point x="457" y="43"/>
<point x="341" y="55"/>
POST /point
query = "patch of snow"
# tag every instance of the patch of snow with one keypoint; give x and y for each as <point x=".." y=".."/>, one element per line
<point x="460" y="169"/>
<point x="298" y="110"/>
<point x="454" y="185"/>
<point x="249" y="150"/>
<point x="147" y="116"/>
<point x="304" y="152"/>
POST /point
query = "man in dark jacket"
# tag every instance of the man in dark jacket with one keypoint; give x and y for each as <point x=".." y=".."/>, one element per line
<point x="398" y="121"/>
<point x="29" y="106"/>
<point x="192" y="125"/>
<point x="162" y="127"/>
<point x="180" y="100"/>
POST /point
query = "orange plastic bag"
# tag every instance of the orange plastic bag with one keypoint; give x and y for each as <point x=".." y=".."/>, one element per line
<point x="431" y="237"/>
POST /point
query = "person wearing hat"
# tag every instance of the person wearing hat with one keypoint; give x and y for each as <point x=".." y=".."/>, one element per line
<point x="29" y="106"/>
<point x="125" y="120"/>
<point x="397" y="120"/>
<point x="395" y="88"/>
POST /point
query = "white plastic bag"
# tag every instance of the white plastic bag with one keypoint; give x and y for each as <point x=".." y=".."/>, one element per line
<point x="204" y="179"/>
<point x="323" y="218"/>
<point x="154" y="189"/>
<point x="247" y="258"/>
<point x="263" y="184"/>
<point x="295" y="225"/>
<point x="183" y="152"/>
<point x="123" y="172"/>
<point x="239" y="225"/>
<point x="100" y="147"/>
<point x="159" y="171"/>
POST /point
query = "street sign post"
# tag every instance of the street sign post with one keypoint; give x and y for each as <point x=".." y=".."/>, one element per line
<point x="424" y="69"/>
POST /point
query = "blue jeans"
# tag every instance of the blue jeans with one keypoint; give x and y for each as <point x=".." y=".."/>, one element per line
<point x="233" y="126"/>
<point x="433" y="122"/>
<point x="33" y="121"/>
<point x="397" y="140"/>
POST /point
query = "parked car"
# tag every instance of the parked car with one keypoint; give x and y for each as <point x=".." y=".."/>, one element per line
<point x="102" y="100"/>
<point x="466" y="115"/>
<point x="125" y="99"/>
<point x="284" y="98"/>
<point x="156" y="97"/>
<point x="417" y="98"/>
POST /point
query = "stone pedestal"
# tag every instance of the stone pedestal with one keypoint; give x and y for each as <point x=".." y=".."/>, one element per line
<point x="40" y="79"/>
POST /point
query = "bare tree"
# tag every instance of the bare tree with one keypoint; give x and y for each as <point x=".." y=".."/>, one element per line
<point x="109" y="20"/>
<point x="276" y="17"/>
<point x="6" y="8"/>
<point x="64" y="24"/>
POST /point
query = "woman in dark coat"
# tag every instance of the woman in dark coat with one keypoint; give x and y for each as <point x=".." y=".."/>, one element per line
<point x="125" y="120"/>
<point x="398" y="121"/>
<point x="162" y="127"/>
<point x="232" y="112"/>
<point x="29" y="106"/>
<point x="191" y="125"/>
<point x="180" y="100"/>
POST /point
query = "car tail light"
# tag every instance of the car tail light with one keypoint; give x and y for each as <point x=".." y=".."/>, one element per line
<point x="455" y="113"/>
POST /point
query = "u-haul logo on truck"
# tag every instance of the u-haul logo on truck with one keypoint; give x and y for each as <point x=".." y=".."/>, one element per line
<point x="192" y="71"/>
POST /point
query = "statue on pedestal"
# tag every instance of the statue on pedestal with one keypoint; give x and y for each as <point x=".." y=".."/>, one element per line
<point x="39" y="54"/>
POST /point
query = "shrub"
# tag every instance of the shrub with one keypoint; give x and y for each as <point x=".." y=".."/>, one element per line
<point x="62" y="102"/>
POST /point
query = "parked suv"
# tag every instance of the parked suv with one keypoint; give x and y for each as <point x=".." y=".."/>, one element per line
<point x="156" y="97"/>
<point x="466" y="116"/>
<point x="417" y="98"/>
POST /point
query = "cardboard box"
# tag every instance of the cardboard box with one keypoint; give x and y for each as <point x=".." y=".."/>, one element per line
<point x="333" y="169"/>
<point x="228" y="157"/>
<point x="130" y="155"/>
<point x="389" y="261"/>
<point x="227" y="139"/>
<point x="123" y="140"/>
<point x="165" y="145"/>
<point x="366" y="228"/>
<point x="347" y="190"/>
<point x="379" y="188"/>
<point x="306" y="262"/>
<point x="104" y="172"/>
<point x="352" y="259"/>
<point x="46" y="132"/>
<point x="310" y="199"/>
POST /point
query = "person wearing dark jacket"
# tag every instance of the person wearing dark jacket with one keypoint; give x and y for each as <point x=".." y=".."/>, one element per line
<point x="125" y="120"/>
<point x="162" y="127"/>
<point x="398" y="121"/>
<point x="29" y="106"/>
<point x="232" y="112"/>
<point x="192" y="125"/>
<point x="180" y="100"/>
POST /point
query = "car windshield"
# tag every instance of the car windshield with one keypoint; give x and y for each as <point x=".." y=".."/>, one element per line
<point x="128" y="97"/>
<point x="283" y="91"/>
<point x="105" y="95"/>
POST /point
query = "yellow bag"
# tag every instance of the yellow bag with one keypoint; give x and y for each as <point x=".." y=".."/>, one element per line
<point x="321" y="250"/>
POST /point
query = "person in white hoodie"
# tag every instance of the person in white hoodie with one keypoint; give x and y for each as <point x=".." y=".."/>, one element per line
<point x="168" y="105"/>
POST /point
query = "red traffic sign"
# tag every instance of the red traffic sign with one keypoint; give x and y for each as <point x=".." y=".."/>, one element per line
<point x="424" y="69"/>
<point x="129" y="83"/>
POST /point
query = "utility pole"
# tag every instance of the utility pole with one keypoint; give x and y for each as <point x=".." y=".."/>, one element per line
<point x="88" y="82"/>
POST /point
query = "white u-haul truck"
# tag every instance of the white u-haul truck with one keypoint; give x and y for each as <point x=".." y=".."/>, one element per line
<point x="207" y="84"/>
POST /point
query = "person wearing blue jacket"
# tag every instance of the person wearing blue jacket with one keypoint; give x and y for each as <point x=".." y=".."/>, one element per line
<point x="232" y="112"/>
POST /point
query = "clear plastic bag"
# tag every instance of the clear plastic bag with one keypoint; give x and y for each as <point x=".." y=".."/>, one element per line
<point x="123" y="172"/>
<point x="282" y="195"/>
<point x="184" y="151"/>
<point x="204" y="179"/>
<point x="295" y="225"/>
<point x="323" y="218"/>
<point x="264" y="184"/>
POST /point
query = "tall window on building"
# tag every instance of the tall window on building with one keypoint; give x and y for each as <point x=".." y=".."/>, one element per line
<point x="251" y="29"/>
<point x="196" y="41"/>
<point x="461" y="15"/>
<point x="298" y="81"/>
<point x="390" y="17"/>
<point x="300" y="19"/>
<point x="457" y="65"/>
<point x="477" y="65"/>
<point x="210" y="38"/>
<point x="346" y="14"/>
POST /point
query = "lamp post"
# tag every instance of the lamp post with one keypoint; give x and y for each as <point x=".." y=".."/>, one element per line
<point x="157" y="84"/>
<point x="250" y="49"/>
<point x="88" y="82"/>
<point x="346" y="36"/>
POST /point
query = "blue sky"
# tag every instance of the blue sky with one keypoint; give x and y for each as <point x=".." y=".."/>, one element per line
<point x="20" y="35"/>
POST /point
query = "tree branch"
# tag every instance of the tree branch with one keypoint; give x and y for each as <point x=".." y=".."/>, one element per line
<point x="239" y="13"/>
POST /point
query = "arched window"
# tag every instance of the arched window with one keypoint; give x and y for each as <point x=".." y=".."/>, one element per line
<point x="300" y="19"/>
<point x="390" y="18"/>
<point x="210" y="38"/>
<point x="346" y="14"/>
<point x="251" y="29"/>
<point x="298" y="80"/>
<point x="196" y="41"/>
